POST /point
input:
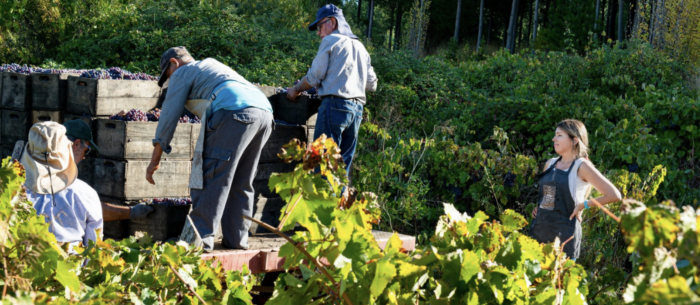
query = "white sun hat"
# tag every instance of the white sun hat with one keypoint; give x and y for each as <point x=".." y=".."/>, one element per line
<point x="48" y="159"/>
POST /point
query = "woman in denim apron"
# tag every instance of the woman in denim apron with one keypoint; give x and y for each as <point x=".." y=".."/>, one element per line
<point x="564" y="186"/>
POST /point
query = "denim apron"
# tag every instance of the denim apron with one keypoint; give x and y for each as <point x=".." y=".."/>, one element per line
<point x="554" y="209"/>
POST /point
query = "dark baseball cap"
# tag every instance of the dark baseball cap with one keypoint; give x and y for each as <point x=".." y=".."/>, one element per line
<point x="174" y="52"/>
<point x="330" y="10"/>
<point x="78" y="129"/>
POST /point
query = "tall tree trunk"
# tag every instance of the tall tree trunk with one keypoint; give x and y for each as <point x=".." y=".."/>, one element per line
<point x="611" y="19"/>
<point x="488" y="34"/>
<point x="534" y="21"/>
<point x="481" y="24"/>
<point x="359" y="11"/>
<point x="546" y="11"/>
<point x="529" y="22"/>
<point x="371" y="17"/>
<point x="397" y="36"/>
<point x="391" y="25"/>
<point x="511" y="26"/>
<point x="457" y="20"/>
<point x="597" y="10"/>
<point x="620" y="17"/>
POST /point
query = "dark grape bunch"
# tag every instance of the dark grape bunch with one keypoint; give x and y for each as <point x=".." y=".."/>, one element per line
<point x="153" y="115"/>
<point x="509" y="179"/>
<point x="116" y="73"/>
<point x="168" y="201"/>
<point x="190" y="119"/>
<point x="24" y="69"/>
<point x="311" y="93"/>
<point x="133" y="115"/>
<point x="633" y="168"/>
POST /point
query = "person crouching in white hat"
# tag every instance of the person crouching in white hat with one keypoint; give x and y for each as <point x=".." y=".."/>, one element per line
<point x="70" y="206"/>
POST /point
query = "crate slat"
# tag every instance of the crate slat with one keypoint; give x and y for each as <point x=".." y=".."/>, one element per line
<point x="16" y="92"/>
<point x="47" y="115"/>
<point x="50" y="90"/>
<point x="294" y="112"/>
<point x="133" y="140"/>
<point x="267" y="210"/>
<point x="127" y="179"/>
<point x="104" y="97"/>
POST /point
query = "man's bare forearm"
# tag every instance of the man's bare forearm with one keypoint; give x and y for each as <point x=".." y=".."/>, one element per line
<point x="303" y="85"/>
<point x="112" y="212"/>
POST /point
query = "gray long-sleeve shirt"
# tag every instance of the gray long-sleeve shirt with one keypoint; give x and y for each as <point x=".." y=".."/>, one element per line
<point x="342" y="67"/>
<point x="195" y="80"/>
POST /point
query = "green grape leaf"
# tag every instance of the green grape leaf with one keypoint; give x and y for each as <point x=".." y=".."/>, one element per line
<point x="66" y="277"/>
<point x="512" y="221"/>
<point x="385" y="272"/>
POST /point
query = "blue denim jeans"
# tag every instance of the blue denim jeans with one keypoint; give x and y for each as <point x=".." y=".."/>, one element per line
<point x="340" y="119"/>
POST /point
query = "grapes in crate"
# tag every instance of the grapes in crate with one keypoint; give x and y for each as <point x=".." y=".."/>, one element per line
<point x="116" y="73"/>
<point x="24" y="69"/>
<point x="168" y="201"/>
<point x="311" y="93"/>
<point x="133" y="115"/>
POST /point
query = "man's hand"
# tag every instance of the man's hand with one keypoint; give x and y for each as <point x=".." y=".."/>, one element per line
<point x="293" y="93"/>
<point x="140" y="211"/>
<point x="534" y="212"/>
<point x="152" y="168"/>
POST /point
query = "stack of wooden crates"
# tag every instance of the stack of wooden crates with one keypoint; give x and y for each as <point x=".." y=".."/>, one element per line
<point x="118" y="172"/>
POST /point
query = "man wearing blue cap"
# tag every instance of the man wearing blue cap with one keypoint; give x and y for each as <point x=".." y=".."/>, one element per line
<point x="342" y="71"/>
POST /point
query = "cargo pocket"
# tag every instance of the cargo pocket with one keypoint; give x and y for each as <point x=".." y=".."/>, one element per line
<point x="214" y="161"/>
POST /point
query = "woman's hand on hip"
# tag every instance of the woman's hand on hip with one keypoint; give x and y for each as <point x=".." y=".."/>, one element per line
<point x="577" y="212"/>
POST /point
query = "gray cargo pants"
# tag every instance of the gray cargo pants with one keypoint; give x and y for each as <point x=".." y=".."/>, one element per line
<point x="232" y="145"/>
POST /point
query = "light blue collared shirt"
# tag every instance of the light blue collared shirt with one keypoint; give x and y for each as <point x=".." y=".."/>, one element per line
<point x="236" y="95"/>
<point x="76" y="216"/>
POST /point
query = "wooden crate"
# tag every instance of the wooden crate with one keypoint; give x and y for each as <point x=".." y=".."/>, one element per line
<point x="267" y="210"/>
<point x="50" y="90"/>
<point x="279" y="137"/>
<point x="6" y="151"/>
<point x="15" y="126"/>
<point x="46" y="115"/>
<point x="16" y="91"/>
<point x="268" y="91"/>
<point x="164" y="223"/>
<point x="86" y="169"/>
<point x="133" y="140"/>
<point x="127" y="179"/>
<point x="262" y="177"/>
<point x="294" y="112"/>
<point x="104" y="97"/>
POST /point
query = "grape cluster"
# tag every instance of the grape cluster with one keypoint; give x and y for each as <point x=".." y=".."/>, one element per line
<point x="311" y="93"/>
<point x="190" y="119"/>
<point x="153" y="115"/>
<point x="24" y="69"/>
<point x="133" y="115"/>
<point x="509" y="179"/>
<point x="168" y="201"/>
<point x="633" y="168"/>
<point x="116" y="73"/>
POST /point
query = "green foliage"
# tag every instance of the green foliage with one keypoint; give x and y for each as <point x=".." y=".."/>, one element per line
<point x="36" y="269"/>
<point x="570" y="26"/>
<point x="468" y="260"/>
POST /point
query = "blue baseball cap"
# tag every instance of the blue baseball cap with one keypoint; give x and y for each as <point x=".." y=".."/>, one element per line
<point x="330" y="10"/>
